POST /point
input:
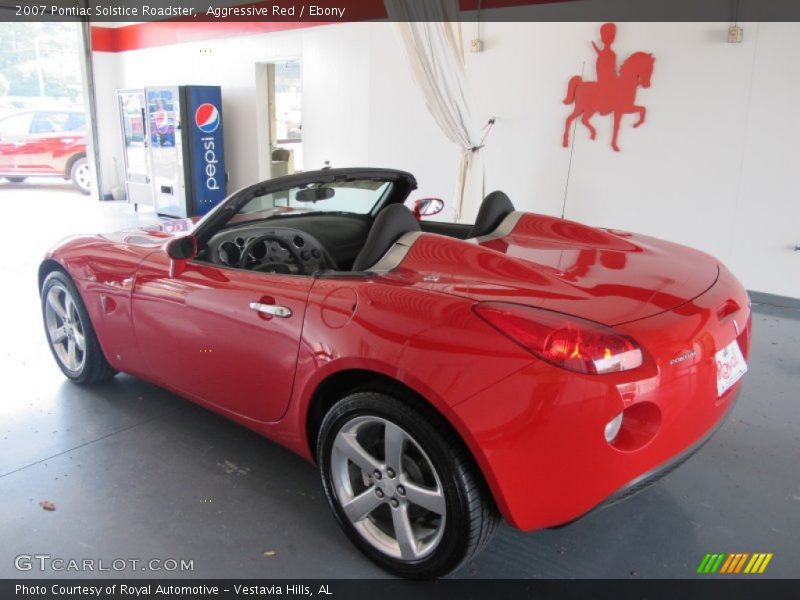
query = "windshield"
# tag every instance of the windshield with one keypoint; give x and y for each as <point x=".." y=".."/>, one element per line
<point x="357" y="197"/>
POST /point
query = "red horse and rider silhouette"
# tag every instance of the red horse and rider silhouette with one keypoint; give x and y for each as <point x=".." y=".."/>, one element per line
<point x="612" y="92"/>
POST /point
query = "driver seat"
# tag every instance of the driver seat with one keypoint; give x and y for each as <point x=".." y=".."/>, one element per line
<point x="494" y="208"/>
<point x="391" y="224"/>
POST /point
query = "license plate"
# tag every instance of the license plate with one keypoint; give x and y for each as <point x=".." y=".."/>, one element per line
<point x="730" y="367"/>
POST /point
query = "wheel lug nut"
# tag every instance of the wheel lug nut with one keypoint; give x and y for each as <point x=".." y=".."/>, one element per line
<point x="394" y="503"/>
<point x="390" y="473"/>
<point x="376" y="474"/>
<point x="401" y="490"/>
<point x="379" y="493"/>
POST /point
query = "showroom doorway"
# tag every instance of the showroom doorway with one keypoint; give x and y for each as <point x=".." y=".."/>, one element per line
<point x="46" y="139"/>
<point x="279" y="86"/>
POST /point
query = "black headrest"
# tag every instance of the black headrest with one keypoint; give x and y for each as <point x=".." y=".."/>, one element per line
<point x="390" y="224"/>
<point x="494" y="208"/>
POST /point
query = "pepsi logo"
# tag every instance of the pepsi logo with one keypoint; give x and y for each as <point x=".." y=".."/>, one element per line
<point x="163" y="121"/>
<point x="207" y="118"/>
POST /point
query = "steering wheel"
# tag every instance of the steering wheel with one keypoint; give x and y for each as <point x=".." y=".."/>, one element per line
<point x="248" y="248"/>
<point x="323" y="258"/>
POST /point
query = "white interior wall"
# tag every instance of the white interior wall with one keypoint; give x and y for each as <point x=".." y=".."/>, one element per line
<point x="713" y="167"/>
<point x="402" y="133"/>
<point x="108" y="128"/>
<point x="673" y="174"/>
<point x="766" y="227"/>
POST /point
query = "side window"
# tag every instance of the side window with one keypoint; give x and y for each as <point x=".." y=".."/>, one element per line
<point x="76" y="122"/>
<point x="16" y="125"/>
<point x="50" y="122"/>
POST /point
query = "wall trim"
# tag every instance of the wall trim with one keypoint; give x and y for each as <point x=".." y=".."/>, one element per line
<point x="774" y="300"/>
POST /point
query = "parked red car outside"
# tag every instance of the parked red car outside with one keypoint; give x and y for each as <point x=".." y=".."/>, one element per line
<point x="45" y="143"/>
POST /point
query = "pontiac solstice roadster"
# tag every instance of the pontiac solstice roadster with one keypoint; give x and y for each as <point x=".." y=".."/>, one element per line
<point x="441" y="375"/>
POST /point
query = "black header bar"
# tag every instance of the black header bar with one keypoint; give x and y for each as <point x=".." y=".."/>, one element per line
<point x="333" y="11"/>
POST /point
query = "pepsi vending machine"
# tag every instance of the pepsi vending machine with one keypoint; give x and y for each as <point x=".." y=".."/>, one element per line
<point x="184" y="125"/>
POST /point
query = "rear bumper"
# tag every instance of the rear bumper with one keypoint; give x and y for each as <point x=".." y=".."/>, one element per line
<point x="643" y="482"/>
<point x="539" y="435"/>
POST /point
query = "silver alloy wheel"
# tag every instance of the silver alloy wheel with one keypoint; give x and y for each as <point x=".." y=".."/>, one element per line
<point x="83" y="177"/>
<point x="65" y="328"/>
<point x="388" y="488"/>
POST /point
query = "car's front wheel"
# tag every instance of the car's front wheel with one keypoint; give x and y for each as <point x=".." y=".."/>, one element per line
<point x="81" y="176"/>
<point x="70" y="333"/>
<point x="403" y="486"/>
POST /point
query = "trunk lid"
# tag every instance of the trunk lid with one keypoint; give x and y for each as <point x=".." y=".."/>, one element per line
<point x="607" y="276"/>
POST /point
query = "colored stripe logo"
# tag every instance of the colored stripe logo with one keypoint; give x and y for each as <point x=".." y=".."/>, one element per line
<point x="737" y="562"/>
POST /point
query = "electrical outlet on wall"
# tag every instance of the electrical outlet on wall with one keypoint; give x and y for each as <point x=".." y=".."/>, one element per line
<point x="735" y="34"/>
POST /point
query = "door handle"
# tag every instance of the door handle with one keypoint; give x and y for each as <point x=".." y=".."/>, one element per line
<point x="271" y="309"/>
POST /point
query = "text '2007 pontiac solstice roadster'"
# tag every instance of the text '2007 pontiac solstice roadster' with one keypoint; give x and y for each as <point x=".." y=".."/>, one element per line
<point x="441" y="375"/>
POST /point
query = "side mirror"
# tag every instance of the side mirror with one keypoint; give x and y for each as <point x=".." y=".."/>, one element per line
<point x="427" y="207"/>
<point x="179" y="251"/>
<point x="182" y="248"/>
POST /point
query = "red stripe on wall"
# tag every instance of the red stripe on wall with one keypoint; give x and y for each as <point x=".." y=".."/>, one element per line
<point x="104" y="39"/>
<point x="165" y="33"/>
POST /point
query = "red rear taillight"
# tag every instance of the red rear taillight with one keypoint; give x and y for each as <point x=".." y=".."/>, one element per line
<point x="567" y="342"/>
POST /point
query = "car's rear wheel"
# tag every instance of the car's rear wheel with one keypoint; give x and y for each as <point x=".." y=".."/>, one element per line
<point x="15" y="179"/>
<point x="403" y="486"/>
<point x="70" y="333"/>
<point x="81" y="176"/>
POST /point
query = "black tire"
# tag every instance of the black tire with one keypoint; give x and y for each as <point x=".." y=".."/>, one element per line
<point x="15" y="179"/>
<point x="471" y="517"/>
<point x="94" y="367"/>
<point x="79" y="175"/>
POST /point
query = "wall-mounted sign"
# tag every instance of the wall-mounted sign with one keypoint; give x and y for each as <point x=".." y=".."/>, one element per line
<point x="614" y="92"/>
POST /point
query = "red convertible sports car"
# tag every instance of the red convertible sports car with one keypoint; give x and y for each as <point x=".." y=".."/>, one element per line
<point x="441" y="375"/>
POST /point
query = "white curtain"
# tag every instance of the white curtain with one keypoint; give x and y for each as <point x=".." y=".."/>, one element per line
<point x="431" y="35"/>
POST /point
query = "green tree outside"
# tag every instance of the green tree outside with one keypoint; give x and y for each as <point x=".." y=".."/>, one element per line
<point x="55" y="73"/>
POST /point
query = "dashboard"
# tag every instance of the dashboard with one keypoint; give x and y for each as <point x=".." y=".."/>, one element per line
<point x="269" y="250"/>
<point x="292" y="244"/>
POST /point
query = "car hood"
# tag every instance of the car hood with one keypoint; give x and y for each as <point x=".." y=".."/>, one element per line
<point x="152" y="235"/>
<point x="158" y="233"/>
<point x="607" y="276"/>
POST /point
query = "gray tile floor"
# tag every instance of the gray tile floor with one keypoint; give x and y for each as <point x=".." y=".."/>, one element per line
<point x="137" y="472"/>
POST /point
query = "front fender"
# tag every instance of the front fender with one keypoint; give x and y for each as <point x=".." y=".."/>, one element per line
<point x="104" y="272"/>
